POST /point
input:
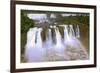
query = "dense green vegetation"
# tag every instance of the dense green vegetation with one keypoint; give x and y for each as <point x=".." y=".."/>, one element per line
<point x="82" y="19"/>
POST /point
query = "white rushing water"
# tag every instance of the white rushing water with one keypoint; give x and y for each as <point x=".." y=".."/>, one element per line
<point x="59" y="47"/>
<point x="71" y="31"/>
<point x="58" y="38"/>
<point x="37" y="51"/>
<point x="49" y="38"/>
<point x="39" y="39"/>
<point x="66" y="35"/>
<point x="31" y="37"/>
<point x="34" y="51"/>
<point x="77" y="32"/>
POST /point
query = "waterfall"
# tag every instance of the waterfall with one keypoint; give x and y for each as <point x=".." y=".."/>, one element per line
<point x="69" y="36"/>
<point x="66" y="35"/>
<point x="48" y="37"/>
<point x="58" y="38"/>
<point x="31" y="37"/>
<point x="36" y="50"/>
<point x="39" y="39"/>
<point x="49" y="41"/>
<point x="59" y="47"/>
<point x="71" y="31"/>
<point x="77" y="31"/>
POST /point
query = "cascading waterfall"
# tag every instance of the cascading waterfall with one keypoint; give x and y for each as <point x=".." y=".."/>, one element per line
<point x="77" y="32"/>
<point x="58" y="38"/>
<point x="66" y="35"/>
<point x="48" y="45"/>
<point x="39" y="39"/>
<point x="59" y="47"/>
<point x="69" y="36"/>
<point x="71" y="31"/>
<point x="49" y="38"/>
<point x="30" y="37"/>
<point x="36" y="50"/>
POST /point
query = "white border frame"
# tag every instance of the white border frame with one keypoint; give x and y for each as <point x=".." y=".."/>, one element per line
<point x="52" y="64"/>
